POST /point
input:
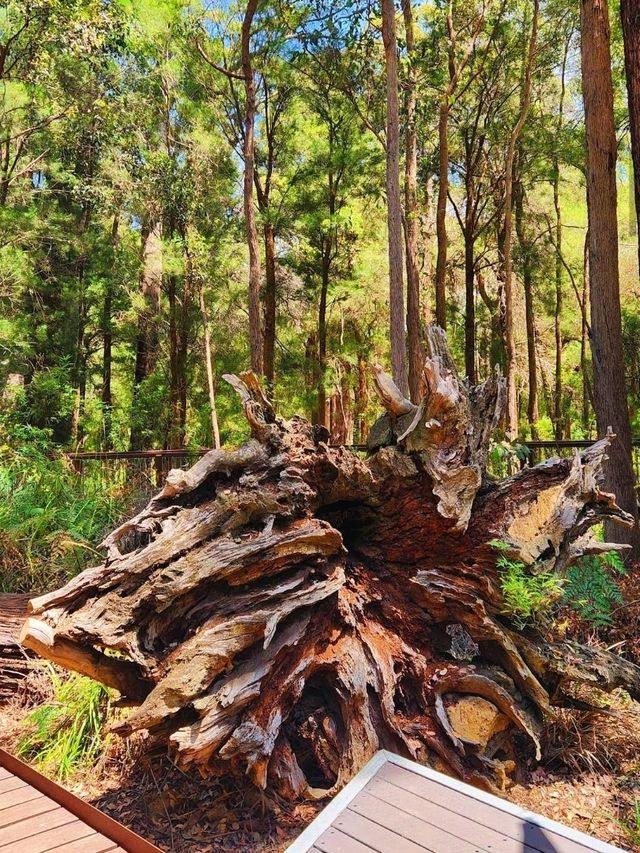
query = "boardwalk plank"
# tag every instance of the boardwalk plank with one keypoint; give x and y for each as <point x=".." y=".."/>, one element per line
<point x="531" y="834"/>
<point x="460" y="826"/>
<point x="93" y="844"/>
<point x="19" y="795"/>
<point x="20" y="812"/>
<point x="32" y="826"/>
<point x="10" y="784"/>
<point x="334" y="841"/>
<point x="58" y="837"/>
<point x="377" y="836"/>
<point x="408" y="826"/>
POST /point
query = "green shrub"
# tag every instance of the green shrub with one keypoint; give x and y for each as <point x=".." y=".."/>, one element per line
<point x="591" y="589"/>
<point x="67" y="732"/>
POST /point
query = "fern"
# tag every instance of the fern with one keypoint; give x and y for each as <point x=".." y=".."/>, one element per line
<point x="591" y="589"/>
<point x="527" y="597"/>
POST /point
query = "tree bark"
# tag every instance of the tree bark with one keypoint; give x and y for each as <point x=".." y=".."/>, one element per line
<point x="208" y="358"/>
<point x="411" y="215"/>
<point x="106" y="396"/>
<point x="286" y="608"/>
<point x="322" y="414"/>
<point x="255" y="330"/>
<point x="606" y="325"/>
<point x="270" y="289"/>
<point x="150" y="288"/>
<point x="441" y="212"/>
<point x="527" y="281"/>
<point x="630" y="15"/>
<point x="394" y="206"/>
<point x="469" y="275"/>
<point x="510" y="341"/>
<point x="557" y="411"/>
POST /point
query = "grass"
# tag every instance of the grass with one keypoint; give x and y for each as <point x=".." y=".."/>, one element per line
<point x="67" y="732"/>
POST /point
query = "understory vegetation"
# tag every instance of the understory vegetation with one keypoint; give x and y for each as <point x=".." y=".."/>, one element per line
<point x="51" y="519"/>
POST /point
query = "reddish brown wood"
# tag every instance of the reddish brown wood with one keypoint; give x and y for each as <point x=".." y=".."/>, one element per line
<point x="25" y="810"/>
<point x="60" y="836"/>
<point x="91" y="844"/>
<point x="90" y="819"/>
<point x="18" y="796"/>
<point x="10" y="783"/>
<point x="37" y="824"/>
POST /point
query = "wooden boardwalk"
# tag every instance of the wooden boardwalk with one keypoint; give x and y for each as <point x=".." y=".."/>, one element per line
<point x="36" y="815"/>
<point x="397" y="806"/>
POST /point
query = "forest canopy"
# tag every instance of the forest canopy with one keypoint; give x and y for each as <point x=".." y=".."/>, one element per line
<point x="190" y="188"/>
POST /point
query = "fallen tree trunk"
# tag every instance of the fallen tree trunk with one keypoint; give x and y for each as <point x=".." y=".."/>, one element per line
<point x="287" y="608"/>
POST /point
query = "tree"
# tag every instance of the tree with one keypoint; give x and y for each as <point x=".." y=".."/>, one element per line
<point x="630" y="15"/>
<point x="456" y="66"/>
<point x="255" y="328"/>
<point x="397" y="335"/>
<point x="510" y="344"/>
<point x="604" y="286"/>
<point x="411" y="212"/>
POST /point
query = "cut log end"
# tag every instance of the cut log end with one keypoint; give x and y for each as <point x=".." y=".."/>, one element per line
<point x="288" y="608"/>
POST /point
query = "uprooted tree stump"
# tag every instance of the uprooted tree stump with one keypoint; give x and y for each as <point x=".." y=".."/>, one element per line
<point x="287" y="608"/>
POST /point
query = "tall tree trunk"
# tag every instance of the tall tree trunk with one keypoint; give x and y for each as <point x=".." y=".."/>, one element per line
<point x="394" y="206"/>
<point x="527" y="281"/>
<point x="630" y="14"/>
<point x="208" y="357"/>
<point x="321" y="378"/>
<point x="147" y="337"/>
<point x="174" y="389"/>
<point x="584" y="337"/>
<point x="441" y="212"/>
<point x="269" y="342"/>
<point x="510" y="341"/>
<point x="106" y="396"/>
<point x="81" y="355"/>
<point x="412" y="224"/>
<point x="557" y="408"/>
<point x="469" y="277"/>
<point x="255" y="331"/>
<point x="606" y="325"/>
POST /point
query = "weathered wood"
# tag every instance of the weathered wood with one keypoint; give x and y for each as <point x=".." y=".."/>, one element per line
<point x="287" y="608"/>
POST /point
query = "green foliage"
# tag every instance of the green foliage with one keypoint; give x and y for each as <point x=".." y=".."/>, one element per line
<point x="505" y="458"/>
<point x="591" y="589"/>
<point x="49" y="519"/>
<point x="67" y="732"/>
<point x="527" y="597"/>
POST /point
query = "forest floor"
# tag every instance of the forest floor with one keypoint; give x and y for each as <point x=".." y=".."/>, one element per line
<point x="181" y="812"/>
